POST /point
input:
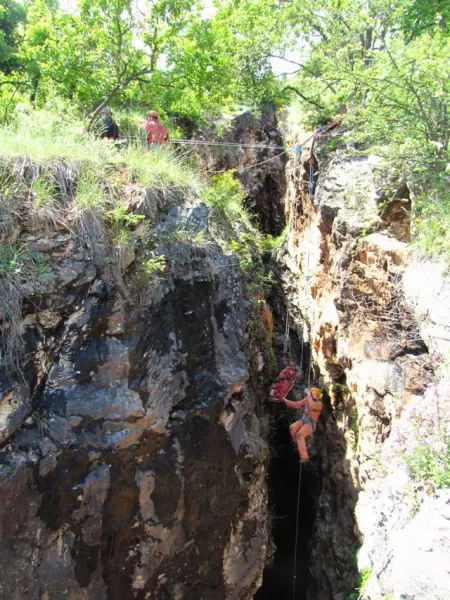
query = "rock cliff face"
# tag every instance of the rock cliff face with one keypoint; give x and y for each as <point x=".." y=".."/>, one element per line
<point x="131" y="464"/>
<point x="358" y="295"/>
<point x="260" y="168"/>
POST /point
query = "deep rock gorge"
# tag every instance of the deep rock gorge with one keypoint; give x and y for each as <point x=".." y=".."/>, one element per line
<point x="133" y="460"/>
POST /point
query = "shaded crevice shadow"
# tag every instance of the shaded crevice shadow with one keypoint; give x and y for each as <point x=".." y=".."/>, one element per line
<point x="283" y="489"/>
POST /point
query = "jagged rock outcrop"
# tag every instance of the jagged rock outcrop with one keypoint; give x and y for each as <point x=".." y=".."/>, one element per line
<point x="376" y="338"/>
<point x="260" y="170"/>
<point x="131" y="462"/>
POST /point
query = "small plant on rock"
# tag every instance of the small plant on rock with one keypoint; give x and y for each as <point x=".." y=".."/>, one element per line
<point x="155" y="266"/>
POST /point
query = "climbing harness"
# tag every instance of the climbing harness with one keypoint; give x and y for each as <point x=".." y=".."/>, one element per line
<point x="307" y="418"/>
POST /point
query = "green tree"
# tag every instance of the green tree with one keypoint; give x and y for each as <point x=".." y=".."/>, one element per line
<point x="161" y="52"/>
<point x="12" y="15"/>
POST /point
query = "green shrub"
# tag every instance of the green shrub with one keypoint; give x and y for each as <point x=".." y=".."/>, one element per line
<point x="354" y="427"/>
<point x="426" y="464"/>
<point x="432" y="222"/>
<point x="271" y="243"/>
<point x="90" y="193"/>
<point x="230" y="221"/>
<point x="363" y="581"/>
<point x="225" y="192"/>
<point x="155" y="265"/>
<point x="162" y="169"/>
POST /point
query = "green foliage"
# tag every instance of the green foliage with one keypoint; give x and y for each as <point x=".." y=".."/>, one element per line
<point x="232" y="228"/>
<point x="54" y="133"/>
<point x="12" y="14"/>
<point x="386" y="61"/>
<point x="10" y="260"/>
<point x="230" y="221"/>
<point x="155" y="266"/>
<point x="271" y="243"/>
<point x="163" y="169"/>
<point x="90" y="193"/>
<point x="354" y="427"/>
<point x="426" y="464"/>
<point x="422" y="15"/>
<point x="225" y="193"/>
<point x="364" y="577"/>
<point x="120" y="215"/>
<point x="44" y="192"/>
<point x="159" y="55"/>
<point x="432" y="221"/>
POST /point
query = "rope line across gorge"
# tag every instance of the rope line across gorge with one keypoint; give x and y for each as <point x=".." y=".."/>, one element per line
<point x="197" y="142"/>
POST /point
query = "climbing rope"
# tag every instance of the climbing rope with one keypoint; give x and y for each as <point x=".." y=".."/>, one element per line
<point x="311" y="194"/>
<point x="287" y="338"/>
<point x="224" y="144"/>
<point x="198" y="142"/>
<point x="294" y="581"/>
<point x="194" y="142"/>
<point x="214" y="171"/>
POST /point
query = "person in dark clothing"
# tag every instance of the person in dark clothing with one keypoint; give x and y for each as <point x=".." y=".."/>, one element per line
<point x="109" y="128"/>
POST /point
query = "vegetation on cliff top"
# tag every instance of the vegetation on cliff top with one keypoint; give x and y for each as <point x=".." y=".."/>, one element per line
<point x="386" y="61"/>
<point x="54" y="174"/>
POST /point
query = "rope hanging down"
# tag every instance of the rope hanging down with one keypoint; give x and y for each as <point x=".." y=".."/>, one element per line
<point x="311" y="193"/>
<point x="294" y="581"/>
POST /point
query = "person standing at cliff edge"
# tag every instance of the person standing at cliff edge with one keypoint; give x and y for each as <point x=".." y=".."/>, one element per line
<point x="109" y="128"/>
<point x="156" y="132"/>
<point x="301" y="429"/>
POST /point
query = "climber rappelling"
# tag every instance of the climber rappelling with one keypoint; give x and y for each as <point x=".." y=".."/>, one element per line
<point x="301" y="429"/>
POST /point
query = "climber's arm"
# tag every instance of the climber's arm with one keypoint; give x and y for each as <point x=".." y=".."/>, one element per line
<point x="298" y="404"/>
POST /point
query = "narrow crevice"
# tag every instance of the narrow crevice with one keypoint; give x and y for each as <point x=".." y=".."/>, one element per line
<point x="283" y="480"/>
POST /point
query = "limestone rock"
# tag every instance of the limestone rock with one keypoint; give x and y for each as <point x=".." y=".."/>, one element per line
<point x="125" y="481"/>
<point x="376" y="319"/>
<point x="15" y="405"/>
<point x="421" y="551"/>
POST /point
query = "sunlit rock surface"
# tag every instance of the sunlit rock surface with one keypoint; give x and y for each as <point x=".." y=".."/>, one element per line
<point x="375" y="316"/>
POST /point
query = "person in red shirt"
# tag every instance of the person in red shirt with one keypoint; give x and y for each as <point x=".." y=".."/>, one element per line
<point x="301" y="429"/>
<point x="156" y="132"/>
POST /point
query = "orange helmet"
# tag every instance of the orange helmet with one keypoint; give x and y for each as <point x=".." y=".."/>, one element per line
<point x="152" y="113"/>
<point x="316" y="393"/>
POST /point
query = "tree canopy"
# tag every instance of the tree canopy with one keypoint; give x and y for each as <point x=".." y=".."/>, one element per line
<point x="385" y="59"/>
